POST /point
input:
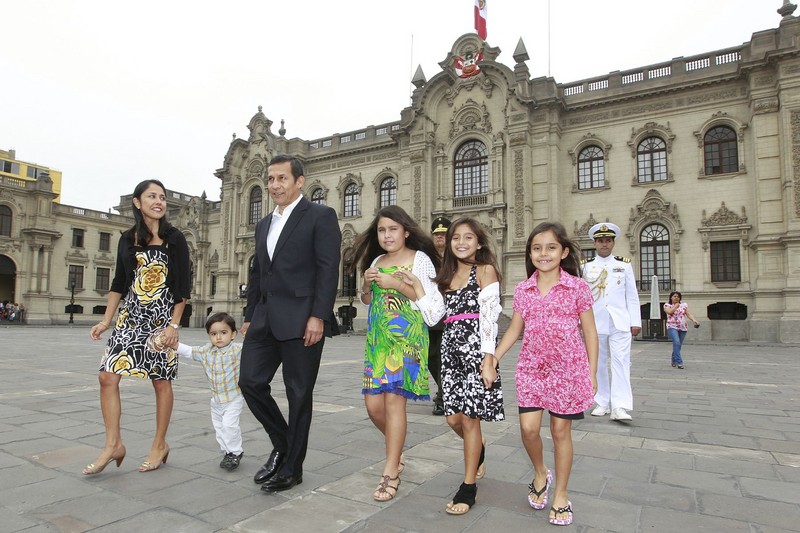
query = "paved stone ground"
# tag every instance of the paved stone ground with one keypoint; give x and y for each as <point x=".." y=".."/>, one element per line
<point x="715" y="447"/>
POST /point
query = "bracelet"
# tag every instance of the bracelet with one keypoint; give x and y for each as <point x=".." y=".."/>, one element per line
<point x="364" y="293"/>
<point x="105" y="324"/>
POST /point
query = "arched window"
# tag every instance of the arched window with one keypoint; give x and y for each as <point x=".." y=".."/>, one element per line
<point x="591" y="168"/>
<point x="651" y="160"/>
<point x="5" y="221"/>
<point x="654" y="244"/>
<point x="255" y="206"/>
<point x="471" y="167"/>
<point x="388" y="192"/>
<point x="318" y="196"/>
<point x="721" y="151"/>
<point x="351" y="200"/>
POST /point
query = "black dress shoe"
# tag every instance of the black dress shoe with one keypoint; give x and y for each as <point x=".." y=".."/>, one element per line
<point x="279" y="483"/>
<point x="270" y="467"/>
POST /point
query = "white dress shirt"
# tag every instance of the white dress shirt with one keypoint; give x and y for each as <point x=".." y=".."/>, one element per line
<point x="278" y="222"/>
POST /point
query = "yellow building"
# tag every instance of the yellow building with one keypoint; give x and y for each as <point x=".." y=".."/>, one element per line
<point x="12" y="169"/>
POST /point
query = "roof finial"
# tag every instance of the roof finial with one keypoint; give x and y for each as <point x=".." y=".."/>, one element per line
<point x="786" y="9"/>
<point x="282" y="131"/>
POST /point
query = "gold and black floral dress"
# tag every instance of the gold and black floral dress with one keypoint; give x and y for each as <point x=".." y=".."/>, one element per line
<point x="134" y="348"/>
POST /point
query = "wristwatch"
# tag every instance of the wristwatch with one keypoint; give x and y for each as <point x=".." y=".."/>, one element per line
<point x="173" y="325"/>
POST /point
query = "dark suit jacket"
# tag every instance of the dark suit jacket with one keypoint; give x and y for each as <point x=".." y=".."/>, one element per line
<point x="301" y="278"/>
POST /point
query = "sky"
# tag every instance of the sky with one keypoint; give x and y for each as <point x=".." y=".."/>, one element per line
<point x="111" y="93"/>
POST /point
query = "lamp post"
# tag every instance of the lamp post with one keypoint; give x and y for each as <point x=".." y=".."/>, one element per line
<point x="72" y="302"/>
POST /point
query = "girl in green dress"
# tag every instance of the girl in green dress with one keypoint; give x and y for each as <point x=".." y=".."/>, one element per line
<point x="396" y="355"/>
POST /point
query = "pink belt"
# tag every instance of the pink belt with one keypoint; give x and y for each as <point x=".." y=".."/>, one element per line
<point x="463" y="316"/>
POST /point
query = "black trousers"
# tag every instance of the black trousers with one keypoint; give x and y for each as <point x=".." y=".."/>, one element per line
<point x="435" y="356"/>
<point x="262" y="354"/>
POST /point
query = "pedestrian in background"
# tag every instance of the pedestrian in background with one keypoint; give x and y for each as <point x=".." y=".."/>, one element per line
<point x="677" y="313"/>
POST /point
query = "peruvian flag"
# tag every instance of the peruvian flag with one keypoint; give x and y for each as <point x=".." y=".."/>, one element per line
<point x="480" y="18"/>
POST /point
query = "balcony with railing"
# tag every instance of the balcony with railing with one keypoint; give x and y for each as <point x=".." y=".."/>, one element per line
<point x="470" y="201"/>
<point x="675" y="71"/>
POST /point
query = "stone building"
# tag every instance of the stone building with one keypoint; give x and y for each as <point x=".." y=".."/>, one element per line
<point x="697" y="159"/>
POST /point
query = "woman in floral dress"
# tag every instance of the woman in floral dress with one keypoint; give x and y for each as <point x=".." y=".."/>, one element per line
<point x="150" y="287"/>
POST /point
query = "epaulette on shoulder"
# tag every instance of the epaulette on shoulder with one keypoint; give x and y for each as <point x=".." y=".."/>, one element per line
<point x="623" y="259"/>
<point x="584" y="261"/>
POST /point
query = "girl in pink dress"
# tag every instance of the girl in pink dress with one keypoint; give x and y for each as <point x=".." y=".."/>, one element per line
<point x="555" y="370"/>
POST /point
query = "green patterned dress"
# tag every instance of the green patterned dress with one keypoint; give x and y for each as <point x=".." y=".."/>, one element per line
<point x="396" y="358"/>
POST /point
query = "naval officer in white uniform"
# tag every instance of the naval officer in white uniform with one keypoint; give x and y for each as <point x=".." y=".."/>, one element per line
<point x="618" y="319"/>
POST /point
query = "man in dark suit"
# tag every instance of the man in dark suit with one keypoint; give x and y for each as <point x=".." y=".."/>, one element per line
<point x="290" y="298"/>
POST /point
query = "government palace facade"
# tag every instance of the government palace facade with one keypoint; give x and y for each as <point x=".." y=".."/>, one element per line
<point x="697" y="159"/>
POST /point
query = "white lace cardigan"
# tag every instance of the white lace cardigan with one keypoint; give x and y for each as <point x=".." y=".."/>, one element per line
<point x="433" y="309"/>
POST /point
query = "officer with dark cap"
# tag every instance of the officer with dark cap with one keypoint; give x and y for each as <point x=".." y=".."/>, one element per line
<point x="618" y="320"/>
<point x="439" y="233"/>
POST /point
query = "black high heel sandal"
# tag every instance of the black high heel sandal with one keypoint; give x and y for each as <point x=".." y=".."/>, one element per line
<point x="466" y="495"/>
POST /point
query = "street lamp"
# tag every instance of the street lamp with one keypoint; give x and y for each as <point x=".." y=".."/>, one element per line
<point x="72" y="302"/>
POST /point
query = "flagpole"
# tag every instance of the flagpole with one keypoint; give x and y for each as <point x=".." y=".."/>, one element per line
<point x="548" y="38"/>
<point x="411" y="64"/>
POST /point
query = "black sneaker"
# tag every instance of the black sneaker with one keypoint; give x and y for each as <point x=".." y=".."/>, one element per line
<point x="226" y="461"/>
<point x="234" y="461"/>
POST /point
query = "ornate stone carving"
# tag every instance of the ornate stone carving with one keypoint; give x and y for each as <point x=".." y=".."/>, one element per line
<point x="710" y="97"/>
<point x="417" y="157"/>
<point x="646" y="108"/>
<point x="517" y="139"/>
<point x="723" y="217"/>
<point x="417" y="192"/>
<point x="256" y="167"/>
<point x="584" y="229"/>
<point x="651" y="129"/>
<point x="470" y="117"/>
<point x="349" y="235"/>
<point x="589" y="139"/>
<point x="9" y="247"/>
<point x="766" y="105"/>
<point x="654" y="209"/>
<point x="482" y="82"/>
<point x="190" y="214"/>
<point x="346" y="180"/>
<point x="795" y="124"/>
<point x="762" y="81"/>
<point x="519" y="195"/>
<point x="594" y="117"/>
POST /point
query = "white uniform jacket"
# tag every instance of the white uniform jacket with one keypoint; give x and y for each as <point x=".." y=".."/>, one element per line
<point x="614" y="291"/>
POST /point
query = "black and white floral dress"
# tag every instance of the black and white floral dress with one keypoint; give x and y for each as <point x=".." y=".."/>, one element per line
<point x="134" y="347"/>
<point x="470" y="330"/>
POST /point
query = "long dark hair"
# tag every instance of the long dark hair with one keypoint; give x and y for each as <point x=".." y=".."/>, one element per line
<point x="483" y="256"/>
<point x="680" y="297"/>
<point x="366" y="246"/>
<point x="140" y="234"/>
<point x="571" y="263"/>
